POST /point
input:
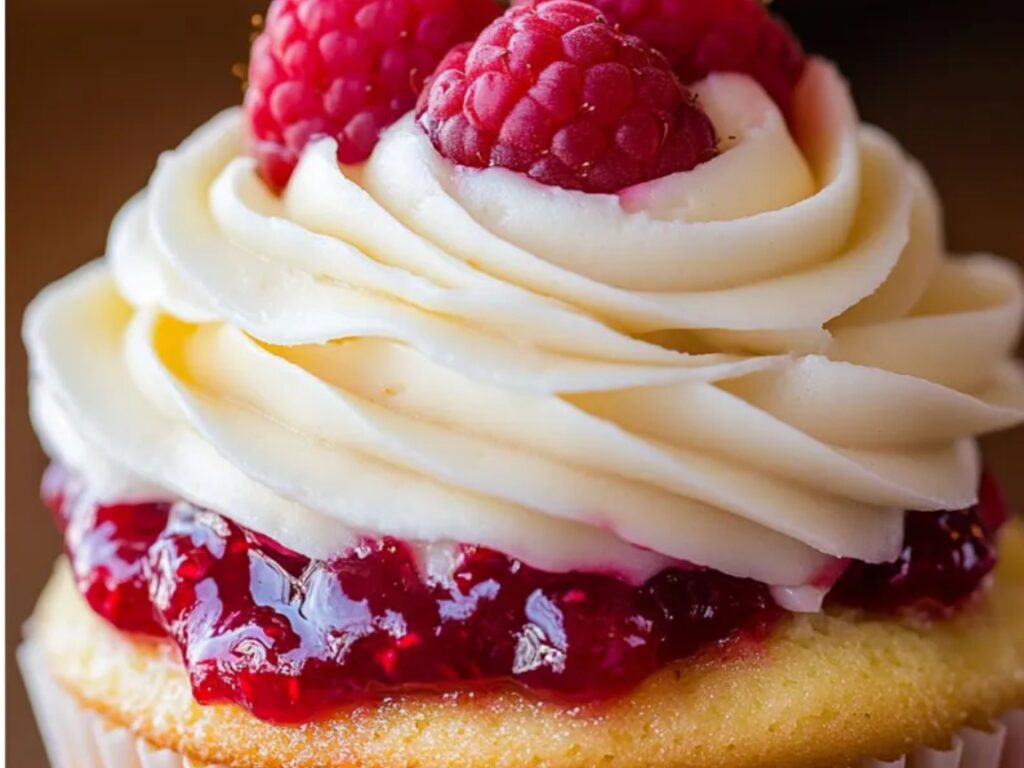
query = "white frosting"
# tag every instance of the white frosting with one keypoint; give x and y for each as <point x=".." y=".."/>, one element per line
<point x="753" y="366"/>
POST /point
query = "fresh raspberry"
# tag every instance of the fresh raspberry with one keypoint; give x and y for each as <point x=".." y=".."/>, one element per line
<point x="552" y="90"/>
<point x="704" y="36"/>
<point x="345" y="69"/>
<point x="992" y="506"/>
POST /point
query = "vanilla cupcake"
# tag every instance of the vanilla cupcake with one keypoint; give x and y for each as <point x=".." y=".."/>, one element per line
<point x="615" y="404"/>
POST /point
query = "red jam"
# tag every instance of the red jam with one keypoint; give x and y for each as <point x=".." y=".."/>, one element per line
<point x="287" y="637"/>
<point x="945" y="558"/>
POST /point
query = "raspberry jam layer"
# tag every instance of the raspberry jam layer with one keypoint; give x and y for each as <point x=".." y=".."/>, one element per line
<point x="945" y="559"/>
<point x="288" y="637"/>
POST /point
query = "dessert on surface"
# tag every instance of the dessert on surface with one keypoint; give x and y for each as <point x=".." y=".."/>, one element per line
<point x="623" y="346"/>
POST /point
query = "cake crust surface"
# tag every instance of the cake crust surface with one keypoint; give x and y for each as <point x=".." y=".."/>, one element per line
<point x="822" y="690"/>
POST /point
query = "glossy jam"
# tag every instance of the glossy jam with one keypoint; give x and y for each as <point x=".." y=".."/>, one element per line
<point x="945" y="558"/>
<point x="287" y="637"/>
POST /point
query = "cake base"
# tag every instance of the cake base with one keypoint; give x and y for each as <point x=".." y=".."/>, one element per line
<point x="821" y="692"/>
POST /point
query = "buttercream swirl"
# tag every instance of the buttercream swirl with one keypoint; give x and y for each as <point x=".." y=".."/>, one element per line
<point x="753" y="366"/>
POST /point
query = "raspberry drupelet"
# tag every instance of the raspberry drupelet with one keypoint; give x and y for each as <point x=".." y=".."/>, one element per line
<point x="345" y="69"/>
<point x="553" y="90"/>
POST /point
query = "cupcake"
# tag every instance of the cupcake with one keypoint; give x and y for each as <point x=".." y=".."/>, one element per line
<point x="576" y="385"/>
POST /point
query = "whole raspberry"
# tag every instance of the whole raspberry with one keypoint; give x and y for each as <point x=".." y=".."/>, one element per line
<point x="704" y="36"/>
<point x="552" y="90"/>
<point x="346" y="69"/>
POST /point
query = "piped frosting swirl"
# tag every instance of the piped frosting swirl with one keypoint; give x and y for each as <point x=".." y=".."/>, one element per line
<point x="754" y="366"/>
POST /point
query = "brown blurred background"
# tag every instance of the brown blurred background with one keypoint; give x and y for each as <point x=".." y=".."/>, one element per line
<point x="97" y="89"/>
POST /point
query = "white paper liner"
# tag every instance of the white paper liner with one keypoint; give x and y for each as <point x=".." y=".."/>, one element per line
<point x="76" y="737"/>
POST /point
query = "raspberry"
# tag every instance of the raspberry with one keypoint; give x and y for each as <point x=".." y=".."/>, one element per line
<point x="992" y="506"/>
<point x="345" y="69"/>
<point x="552" y="90"/>
<point x="704" y="36"/>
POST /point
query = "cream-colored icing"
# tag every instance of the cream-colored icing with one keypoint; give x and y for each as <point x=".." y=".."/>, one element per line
<point x="754" y="366"/>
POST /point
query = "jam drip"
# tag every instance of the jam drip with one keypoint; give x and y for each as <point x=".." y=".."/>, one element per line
<point x="288" y="637"/>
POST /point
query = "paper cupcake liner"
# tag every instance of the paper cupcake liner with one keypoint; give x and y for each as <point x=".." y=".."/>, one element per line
<point x="77" y="737"/>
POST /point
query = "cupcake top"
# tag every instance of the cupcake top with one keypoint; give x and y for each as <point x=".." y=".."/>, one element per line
<point x="753" y="356"/>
